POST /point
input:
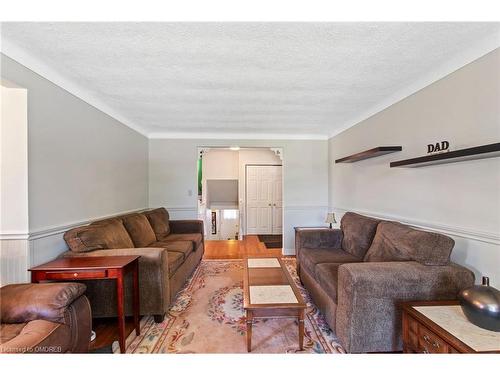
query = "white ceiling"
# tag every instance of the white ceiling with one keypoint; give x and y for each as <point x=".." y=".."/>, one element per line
<point x="245" y="79"/>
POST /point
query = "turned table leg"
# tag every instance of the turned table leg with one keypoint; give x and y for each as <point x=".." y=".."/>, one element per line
<point x="249" y="330"/>
<point x="301" y="329"/>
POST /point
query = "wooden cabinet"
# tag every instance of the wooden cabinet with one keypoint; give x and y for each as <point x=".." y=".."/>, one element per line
<point x="422" y="335"/>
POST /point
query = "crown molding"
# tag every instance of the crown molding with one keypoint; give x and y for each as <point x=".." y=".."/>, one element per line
<point x="468" y="56"/>
<point x="247" y="136"/>
<point x="37" y="66"/>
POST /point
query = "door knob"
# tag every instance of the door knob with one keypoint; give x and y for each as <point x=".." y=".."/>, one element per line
<point x="269" y="204"/>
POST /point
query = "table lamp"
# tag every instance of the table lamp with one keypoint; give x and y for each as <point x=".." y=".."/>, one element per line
<point x="330" y="219"/>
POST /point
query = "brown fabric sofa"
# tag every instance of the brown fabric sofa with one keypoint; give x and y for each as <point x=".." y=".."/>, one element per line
<point x="359" y="274"/>
<point x="44" y="318"/>
<point x="170" y="251"/>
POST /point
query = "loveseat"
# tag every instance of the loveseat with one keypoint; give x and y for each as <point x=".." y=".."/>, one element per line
<point x="170" y="251"/>
<point x="358" y="275"/>
<point x="44" y="318"/>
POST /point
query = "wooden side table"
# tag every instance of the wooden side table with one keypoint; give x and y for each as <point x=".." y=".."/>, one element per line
<point x="96" y="268"/>
<point x="441" y="327"/>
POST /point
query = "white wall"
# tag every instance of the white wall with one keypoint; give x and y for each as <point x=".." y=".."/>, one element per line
<point x="13" y="184"/>
<point x="220" y="165"/>
<point x="14" y="161"/>
<point x="461" y="199"/>
<point x="82" y="164"/>
<point x="172" y="175"/>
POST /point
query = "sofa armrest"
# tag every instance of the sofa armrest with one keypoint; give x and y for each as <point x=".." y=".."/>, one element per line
<point x="318" y="238"/>
<point x="20" y="303"/>
<point x="368" y="317"/>
<point x="186" y="226"/>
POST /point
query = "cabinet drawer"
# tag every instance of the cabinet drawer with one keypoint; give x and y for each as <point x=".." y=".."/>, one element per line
<point x="76" y="275"/>
<point x="429" y="342"/>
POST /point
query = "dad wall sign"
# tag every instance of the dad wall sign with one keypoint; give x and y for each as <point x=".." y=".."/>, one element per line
<point x="438" y="147"/>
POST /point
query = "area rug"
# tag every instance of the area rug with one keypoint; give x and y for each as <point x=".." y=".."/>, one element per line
<point x="208" y="317"/>
<point x="272" y="241"/>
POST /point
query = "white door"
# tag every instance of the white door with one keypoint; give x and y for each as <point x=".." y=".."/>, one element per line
<point x="264" y="199"/>
<point x="277" y="225"/>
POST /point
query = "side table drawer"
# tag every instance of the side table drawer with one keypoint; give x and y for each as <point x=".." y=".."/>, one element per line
<point x="430" y="342"/>
<point x="76" y="275"/>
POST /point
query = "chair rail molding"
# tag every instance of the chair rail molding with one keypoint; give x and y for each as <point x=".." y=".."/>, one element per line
<point x="473" y="234"/>
<point x="49" y="231"/>
<point x="304" y="207"/>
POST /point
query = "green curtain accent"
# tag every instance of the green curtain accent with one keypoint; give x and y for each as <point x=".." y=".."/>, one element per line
<point x="199" y="175"/>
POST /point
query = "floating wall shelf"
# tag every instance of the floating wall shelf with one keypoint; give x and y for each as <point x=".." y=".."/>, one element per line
<point x="372" y="153"/>
<point x="479" y="152"/>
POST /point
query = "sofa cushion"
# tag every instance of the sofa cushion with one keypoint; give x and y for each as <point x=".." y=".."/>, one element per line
<point x="139" y="229"/>
<point x="175" y="260"/>
<point x="327" y="278"/>
<point x="309" y="258"/>
<point x="183" y="247"/>
<point x="108" y="220"/>
<point x="358" y="233"/>
<point x="9" y="331"/>
<point x="39" y="336"/>
<point x="398" y="242"/>
<point x="195" y="238"/>
<point x="159" y="220"/>
<point x="109" y="235"/>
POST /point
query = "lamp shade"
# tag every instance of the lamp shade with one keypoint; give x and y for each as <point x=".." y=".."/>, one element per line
<point x="330" y="218"/>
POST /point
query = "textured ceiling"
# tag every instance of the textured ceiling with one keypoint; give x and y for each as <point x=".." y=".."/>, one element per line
<point x="245" y="78"/>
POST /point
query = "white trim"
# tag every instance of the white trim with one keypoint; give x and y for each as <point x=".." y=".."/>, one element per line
<point x="226" y="135"/>
<point x="177" y="209"/>
<point x="452" y="230"/>
<point x="34" y="64"/>
<point x="14" y="236"/>
<point x="480" y="49"/>
<point x="305" y="208"/>
<point x="50" y="231"/>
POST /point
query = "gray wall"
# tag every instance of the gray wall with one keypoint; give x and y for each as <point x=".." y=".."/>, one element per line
<point x="462" y="199"/>
<point x="82" y="164"/>
<point x="172" y="175"/>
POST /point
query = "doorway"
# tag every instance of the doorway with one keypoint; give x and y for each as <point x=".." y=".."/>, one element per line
<point x="233" y="186"/>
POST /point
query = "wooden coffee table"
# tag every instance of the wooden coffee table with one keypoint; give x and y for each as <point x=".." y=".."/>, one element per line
<point x="270" y="292"/>
<point x="96" y="268"/>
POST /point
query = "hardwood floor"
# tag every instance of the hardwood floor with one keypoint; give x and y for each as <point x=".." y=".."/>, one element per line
<point x="107" y="329"/>
<point x="234" y="249"/>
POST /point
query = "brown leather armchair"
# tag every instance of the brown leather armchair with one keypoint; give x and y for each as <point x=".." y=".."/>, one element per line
<point x="44" y="318"/>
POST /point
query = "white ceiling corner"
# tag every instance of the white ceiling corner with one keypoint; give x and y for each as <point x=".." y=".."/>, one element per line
<point x="245" y="80"/>
<point x="468" y="55"/>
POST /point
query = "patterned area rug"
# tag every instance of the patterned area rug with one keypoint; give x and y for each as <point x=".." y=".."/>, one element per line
<point x="208" y="317"/>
